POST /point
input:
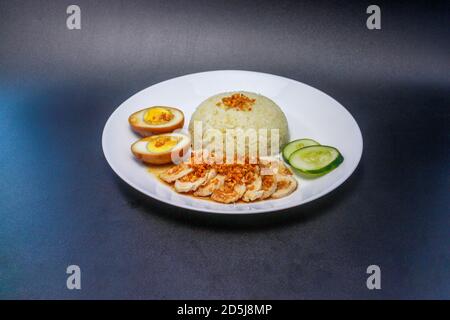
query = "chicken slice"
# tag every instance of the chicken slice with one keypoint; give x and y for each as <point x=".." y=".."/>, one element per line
<point x="192" y="183"/>
<point x="283" y="170"/>
<point x="227" y="194"/>
<point x="254" y="190"/>
<point x="175" y="173"/>
<point x="208" y="188"/>
<point x="268" y="166"/>
<point x="286" y="184"/>
<point x="269" y="185"/>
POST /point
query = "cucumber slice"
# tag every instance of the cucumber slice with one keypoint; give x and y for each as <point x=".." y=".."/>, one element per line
<point x="293" y="146"/>
<point x="316" y="159"/>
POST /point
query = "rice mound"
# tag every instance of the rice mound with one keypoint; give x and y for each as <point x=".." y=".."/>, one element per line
<point x="264" y="114"/>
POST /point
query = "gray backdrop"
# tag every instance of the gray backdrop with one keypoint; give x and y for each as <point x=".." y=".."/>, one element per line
<point x="61" y="204"/>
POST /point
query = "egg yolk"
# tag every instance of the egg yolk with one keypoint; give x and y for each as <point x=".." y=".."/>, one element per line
<point x="161" y="143"/>
<point x="158" y="115"/>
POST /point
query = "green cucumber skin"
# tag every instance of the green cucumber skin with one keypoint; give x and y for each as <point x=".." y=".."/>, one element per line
<point x="314" y="143"/>
<point x="333" y="165"/>
<point x="322" y="171"/>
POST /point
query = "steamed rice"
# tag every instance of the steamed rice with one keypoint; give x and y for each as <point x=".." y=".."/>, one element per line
<point x="264" y="114"/>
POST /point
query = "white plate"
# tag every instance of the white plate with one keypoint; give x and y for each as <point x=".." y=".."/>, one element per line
<point x="310" y="113"/>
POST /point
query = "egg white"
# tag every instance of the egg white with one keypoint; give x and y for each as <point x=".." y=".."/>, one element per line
<point x="141" y="145"/>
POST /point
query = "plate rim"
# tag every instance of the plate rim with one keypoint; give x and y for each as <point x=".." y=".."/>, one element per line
<point x="329" y="189"/>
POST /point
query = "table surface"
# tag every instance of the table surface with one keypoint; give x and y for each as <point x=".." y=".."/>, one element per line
<point x="61" y="204"/>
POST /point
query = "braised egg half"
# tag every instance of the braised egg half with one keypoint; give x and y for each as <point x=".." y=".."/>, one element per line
<point x="161" y="148"/>
<point x="155" y="120"/>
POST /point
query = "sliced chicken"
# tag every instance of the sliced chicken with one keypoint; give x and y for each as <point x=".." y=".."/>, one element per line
<point x="269" y="185"/>
<point x="175" y="173"/>
<point x="286" y="184"/>
<point x="228" y="194"/>
<point x="254" y="190"/>
<point x="283" y="170"/>
<point x="268" y="166"/>
<point x="191" y="183"/>
<point x="270" y="178"/>
<point x="206" y="189"/>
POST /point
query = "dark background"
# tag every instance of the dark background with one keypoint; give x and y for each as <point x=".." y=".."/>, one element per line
<point x="61" y="204"/>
